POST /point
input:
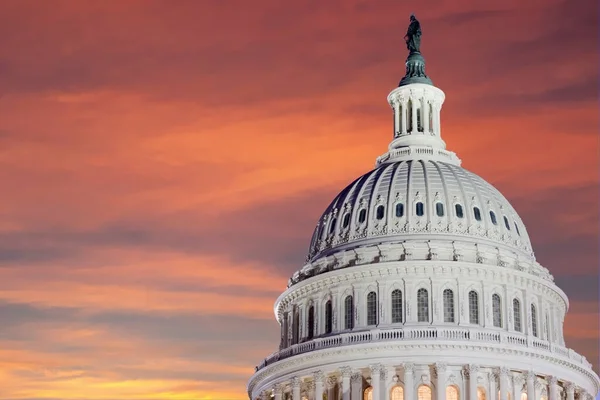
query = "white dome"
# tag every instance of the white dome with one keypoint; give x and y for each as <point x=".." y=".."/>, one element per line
<point x="382" y="206"/>
<point x="421" y="284"/>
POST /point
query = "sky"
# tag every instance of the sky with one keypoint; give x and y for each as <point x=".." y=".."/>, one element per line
<point x="163" y="164"/>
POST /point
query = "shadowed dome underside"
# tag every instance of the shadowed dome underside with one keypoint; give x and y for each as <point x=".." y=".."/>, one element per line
<point x="413" y="197"/>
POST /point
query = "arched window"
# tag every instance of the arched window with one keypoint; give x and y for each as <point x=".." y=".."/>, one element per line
<point x="533" y="321"/>
<point x="399" y="210"/>
<point x="328" y="317"/>
<point x="284" y="330"/>
<point x="397" y="393"/>
<point x="517" y="314"/>
<point x="439" y="209"/>
<point x="368" y="394"/>
<point x="424" y="393"/>
<point x="311" y="322"/>
<point x="448" y="296"/>
<point x="372" y="308"/>
<point x="362" y="216"/>
<point x="348" y="312"/>
<point x="458" y="210"/>
<point x="517" y="229"/>
<point x="523" y="396"/>
<point x="477" y="213"/>
<point x="332" y="226"/>
<point x="422" y="305"/>
<point x="346" y="220"/>
<point x="480" y="393"/>
<point x="493" y="218"/>
<point x="419" y="209"/>
<point x="380" y="212"/>
<point x="409" y="118"/>
<point x="473" y="307"/>
<point x="451" y="393"/>
<point x="497" y="310"/>
<point x="396" y="306"/>
<point x="506" y="224"/>
<point x="296" y="326"/>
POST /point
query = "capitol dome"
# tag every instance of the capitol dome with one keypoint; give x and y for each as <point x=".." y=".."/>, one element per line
<point x="421" y="283"/>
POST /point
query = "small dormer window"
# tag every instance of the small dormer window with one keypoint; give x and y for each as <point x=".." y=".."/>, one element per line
<point x="419" y="209"/>
<point x="346" y="220"/>
<point x="380" y="212"/>
<point x="332" y="226"/>
<point x="439" y="209"/>
<point x="399" y="210"/>
<point x="477" y="213"/>
<point x="506" y="223"/>
<point x="493" y="218"/>
<point x="459" y="210"/>
<point x="362" y="216"/>
<point x="517" y="229"/>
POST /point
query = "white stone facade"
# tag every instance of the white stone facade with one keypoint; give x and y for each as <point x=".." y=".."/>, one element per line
<point x="421" y="284"/>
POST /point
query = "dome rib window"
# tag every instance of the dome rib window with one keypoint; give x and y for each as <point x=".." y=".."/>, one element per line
<point x="396" y="306"/>
<point x="423" y="392"/>
<point x="399" y="210"/>
<point x="459" y="210"/>
<point x="419" y="209"/>
<point x="451" y="393"/>
<point x="296" y="326"/>
<point x="517" y="229"/>
<point x="311" y="323"/>
<point x="517" y="314"/>
<point x="497" y="310"/>
<point x="439" y="209"/>
<point x="448" y="297"/>
<point x="506" y="223"/>
<point x="473" y="307"/>
<point x="346" y="220"/>
<point x="534" y="330"/>
<point x="362" y="216"/>
<point x="422" y="305"/>
<point x="380" y="212"/>
<point x="493" y="218"/>
<point x="284" y="330"/>
<point x="332" y="226"/>
<point x="477" y="213"/>
<point x="348" y="312"/>
<point x="328" y="317"/>
<point x="372" y="308"/>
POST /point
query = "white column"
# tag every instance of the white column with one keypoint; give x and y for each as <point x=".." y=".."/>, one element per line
<point x="517" y="386"/>
<point x="318" y="377"/>
<point x="493" y="395"/>
<point x="346" y="373"/>
<point x="331" y="381"/>
<point x="425" y="116"/>
<point x="295" y="388"/>
<point x="409" y="383"/>
<point x="552" y="388"/>
<point x="414" y="127"/>
<point x="403" y="117"/>
<point x="440" y="369"/>
<point x="570" y="387"/>
<point x="531" y="385"/>
<point x="376" y="381"/>
<point x="503" y="379"/>
<point x="397" y="128"/>
<point x="356" y="392"/>
<point x="278" y="391"/>
<point x="472" y="370"/>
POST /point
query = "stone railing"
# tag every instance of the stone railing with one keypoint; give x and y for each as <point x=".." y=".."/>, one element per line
<point x="424" y="333"/>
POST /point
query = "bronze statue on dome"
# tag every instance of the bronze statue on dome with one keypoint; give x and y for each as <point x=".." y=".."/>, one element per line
<point x="413" y="35"/>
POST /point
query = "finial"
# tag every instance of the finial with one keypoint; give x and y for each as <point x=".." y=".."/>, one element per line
<point x="415" y="63"/>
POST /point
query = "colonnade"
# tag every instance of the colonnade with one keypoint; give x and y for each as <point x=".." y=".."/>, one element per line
<point x="424" y="382"/>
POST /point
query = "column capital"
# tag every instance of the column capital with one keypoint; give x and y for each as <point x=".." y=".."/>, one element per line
<point x="331" y="381"/>
<point x="295" y="382"/>
<point x="530" y="375"/>
<point x="409" y="368"/>
<point x="318" y="376"/>
<point x="570" y="387"/>
<point x="346" y="372"/>
<point x="471" y="370"/>
<point x="278" y="387"/>
<point x="518" y="380"/>
<point x="441" y="367"/>
<point x="376" y="368"/>
<point x="552" y="380"/>
<point x="502" y="371"/>
<point x="356" y="377"/>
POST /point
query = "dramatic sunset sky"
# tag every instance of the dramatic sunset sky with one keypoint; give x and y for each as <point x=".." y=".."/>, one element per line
<point x="163" y="164"/>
